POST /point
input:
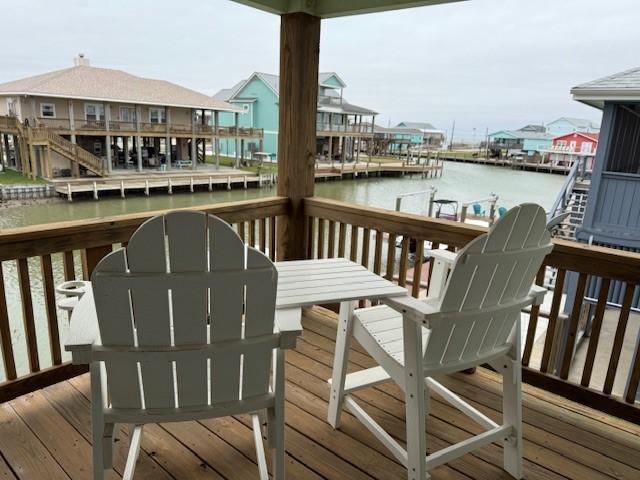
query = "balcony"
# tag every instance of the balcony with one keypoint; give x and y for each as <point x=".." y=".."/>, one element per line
<point x="344" y="130"/>
<point x="46" y="402"/>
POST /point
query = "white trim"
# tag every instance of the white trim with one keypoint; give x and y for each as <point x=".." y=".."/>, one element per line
<point x="99" y="106"/>
<point x="131" y="108"/>
<point x="159" y="109"/>
<point x="113" y="100"/>
<point x="47" y="104"/>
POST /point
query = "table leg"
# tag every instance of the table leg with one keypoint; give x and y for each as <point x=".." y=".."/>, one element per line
<point x="341" y="357"/>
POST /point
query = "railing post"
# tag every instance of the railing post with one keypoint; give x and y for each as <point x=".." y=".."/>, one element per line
<point x="299" y="56"/>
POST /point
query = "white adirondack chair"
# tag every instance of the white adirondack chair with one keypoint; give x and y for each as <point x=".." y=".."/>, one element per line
<point x="471" y="316"/>
<point x="186" y="317"/>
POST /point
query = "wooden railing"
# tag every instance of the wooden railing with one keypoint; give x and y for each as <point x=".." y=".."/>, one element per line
<point x="34" y="259"/>
<point x="53" y="123"/>
<point x="8" y="123"/>
<point x="384" y="240"/>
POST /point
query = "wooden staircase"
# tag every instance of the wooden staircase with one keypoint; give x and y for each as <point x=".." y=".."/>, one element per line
<point x="576" y="206"/>
<point x="67" y="149"/>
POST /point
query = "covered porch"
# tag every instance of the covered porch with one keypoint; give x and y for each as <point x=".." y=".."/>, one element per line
<point x="575" y="430"/>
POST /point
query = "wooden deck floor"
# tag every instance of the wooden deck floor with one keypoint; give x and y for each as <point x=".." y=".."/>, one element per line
<point x="46" y="434"/>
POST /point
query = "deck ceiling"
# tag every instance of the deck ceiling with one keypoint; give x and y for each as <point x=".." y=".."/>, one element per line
<point x="336" y="8"/>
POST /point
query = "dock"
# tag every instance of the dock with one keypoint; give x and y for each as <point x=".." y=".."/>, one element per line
<point x="208" y="179"/>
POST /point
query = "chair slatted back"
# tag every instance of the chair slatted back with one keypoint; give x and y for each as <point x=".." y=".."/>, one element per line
<point x="488" y="284"/>
<point x="185" y="286"/>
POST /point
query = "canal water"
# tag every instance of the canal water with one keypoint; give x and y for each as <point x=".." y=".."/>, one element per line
<point x="460" y="181"/>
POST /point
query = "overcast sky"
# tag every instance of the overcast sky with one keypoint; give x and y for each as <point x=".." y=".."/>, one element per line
<point x="483" y="63"/>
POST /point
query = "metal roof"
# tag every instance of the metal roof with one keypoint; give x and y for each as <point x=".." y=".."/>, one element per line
<point x="621" y="87"/>
<point x="336" y="8"/>
<point x="106" y="85"/>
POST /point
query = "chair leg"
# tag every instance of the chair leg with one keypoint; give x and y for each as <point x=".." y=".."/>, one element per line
<point x="340" y="360"/>
<point x="512" y="415"/>
<point x="102" y="434"/>
<point x="276" y="420"/>
<point x="415" y="396"/>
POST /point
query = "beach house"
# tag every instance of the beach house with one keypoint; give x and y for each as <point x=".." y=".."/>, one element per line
<point x="85" y="120"/>
<point x="341" y="126"/>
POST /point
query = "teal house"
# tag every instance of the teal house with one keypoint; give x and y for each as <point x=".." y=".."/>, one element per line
<point x="529" y="142"/>
<point x="341" y="128"/>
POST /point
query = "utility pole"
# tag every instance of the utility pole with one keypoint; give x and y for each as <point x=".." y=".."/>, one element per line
<point x="453" y="129"/>
<point x="486" y="139"/>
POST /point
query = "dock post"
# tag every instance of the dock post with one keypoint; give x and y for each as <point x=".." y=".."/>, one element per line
<point x="95" y="191"/>
<point x="191" y="184"/>
<point x="146" y="187"/>
<point x="170" y="187"/>
<point x="260" y="180"/>
<point x="122" y="188"/>
<point x="69" y="192"/>
<point x="228" y="182"/>
<point x="244" y="181"/>
<point x="210" y="184"/>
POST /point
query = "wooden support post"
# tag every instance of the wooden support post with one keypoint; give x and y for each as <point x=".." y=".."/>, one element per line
<point x="170" y="187"/>
<point x="216" y="143"/>
<point x="95" y="191"/>
<point x="299" y="56"/>
<point x="236" y="146"/>
<point x="138" y="139"/>
<point x="146" y="187"/>
<point x="107" y="123"/>
<point x="122" y="188"/>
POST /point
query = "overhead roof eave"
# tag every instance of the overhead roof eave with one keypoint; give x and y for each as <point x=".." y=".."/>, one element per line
<point x="597" y="97"/>
<point x="337" y="8"/>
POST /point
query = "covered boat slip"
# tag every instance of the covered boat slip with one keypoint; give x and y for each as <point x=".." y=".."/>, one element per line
<point x="46" y="434"/>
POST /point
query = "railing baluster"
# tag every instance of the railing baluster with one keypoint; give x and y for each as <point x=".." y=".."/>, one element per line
<point x="342" y="236"/>
<point x="573" y="326"/>
<point x="553" y="319"/>
<point x="252" y="233"/>
<point x="417" y="268"/>
<point x="391" y="256"/>
<point x="263" y="235"/>
<point x="320" y="252"/>
<point x="377" y="256"/>
<point x="354" y="243"/>
<point x="533" y="323"/>
<point x="618" y="339"/>
<point x="311" y="226"/>
<point x="27" y="315"/>
<point x="404" y="257"/>
<point x="50" y="305"/>
<point x="331" y="247"/>
<point x="91" y="257"/>
<point x="366" y="238"/>
<point x="241" y="231"/>
<point x="272" y="238"/>
<point x="5" y="333"/>
<point x="634" y="379"/>
<point x="69" y="266"/>
<point x="594" y="336"/>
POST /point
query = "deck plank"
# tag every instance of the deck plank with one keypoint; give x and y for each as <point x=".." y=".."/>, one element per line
<point x="46" y="434"/>
<point x="27" y="456"/>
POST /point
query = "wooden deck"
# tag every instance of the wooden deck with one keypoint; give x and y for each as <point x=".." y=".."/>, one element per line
<point x="46" y="434"/>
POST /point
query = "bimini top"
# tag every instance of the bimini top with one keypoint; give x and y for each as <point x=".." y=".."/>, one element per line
<point x="619" y="87"/>
<point x="336" y="8"/>
<point x="106" y="85"/>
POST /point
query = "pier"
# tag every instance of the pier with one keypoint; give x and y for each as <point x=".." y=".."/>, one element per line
<point x="164" y="182"/>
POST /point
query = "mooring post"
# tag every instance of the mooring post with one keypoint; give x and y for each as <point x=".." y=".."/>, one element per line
<point x="146" y="187"/>
<point x="121" y="188"/>
<point x="69" y="192"/>
<point x="191" y="184"/>
<point x="244" y="182"/>
<point x="210" y="184"/>
<point x="170" y="187"/>
<point x="95" y="191"/>
<point x="228" y="182"/>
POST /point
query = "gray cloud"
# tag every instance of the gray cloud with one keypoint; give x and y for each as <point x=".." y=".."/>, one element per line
<point x="484" y="63"/>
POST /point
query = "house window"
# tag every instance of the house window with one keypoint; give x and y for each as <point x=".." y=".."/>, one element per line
<point x="245" y="107"/>
<point x="586" y="147"/>
<point x="562" y="143"/>
<point x="127" y="114"/>
<point x="94" y="112"/>
<point x="157" y="115"/>
<point x="11" y="106"/>
<point x="47" y="110"/>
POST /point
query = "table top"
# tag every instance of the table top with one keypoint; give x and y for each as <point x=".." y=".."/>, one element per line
<point x="312" y="282"/>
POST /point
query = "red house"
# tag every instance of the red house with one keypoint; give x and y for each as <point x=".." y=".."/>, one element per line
<point x="565" y="149"/>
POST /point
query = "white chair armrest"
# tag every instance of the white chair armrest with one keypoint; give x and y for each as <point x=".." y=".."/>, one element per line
<point x="413" y="308"/>
<point x="83" y="330"/>
<point x="444" y="256"/>
<point x="288" y="323"/>
<point x="537" y="293"/>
